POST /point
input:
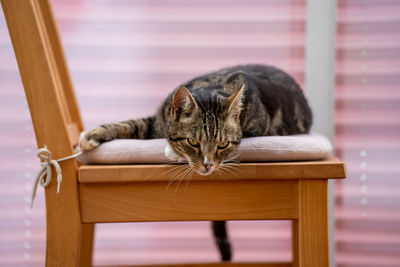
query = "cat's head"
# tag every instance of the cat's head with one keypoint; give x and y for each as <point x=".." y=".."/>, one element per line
<point x="205" y="127"/>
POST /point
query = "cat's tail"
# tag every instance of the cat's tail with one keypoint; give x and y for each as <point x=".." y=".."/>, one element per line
<point x="222" y="240"/>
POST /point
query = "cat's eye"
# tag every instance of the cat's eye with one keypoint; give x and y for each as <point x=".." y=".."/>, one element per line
<point x="193" y="142"/>
<point x="223" y="145"/>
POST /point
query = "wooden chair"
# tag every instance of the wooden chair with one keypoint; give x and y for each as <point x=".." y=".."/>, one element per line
<point x="294" y="191"/>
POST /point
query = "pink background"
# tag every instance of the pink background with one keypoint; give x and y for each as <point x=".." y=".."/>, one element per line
<point x="126" y="56"/>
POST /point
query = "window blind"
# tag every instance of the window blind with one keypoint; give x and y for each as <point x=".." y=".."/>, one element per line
<point x="368" y="133"/>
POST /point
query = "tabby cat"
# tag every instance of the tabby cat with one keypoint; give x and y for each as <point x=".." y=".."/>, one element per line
<point x="204" y="120"/>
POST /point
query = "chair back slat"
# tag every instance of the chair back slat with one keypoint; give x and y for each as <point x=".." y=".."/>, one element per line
<point x="52" y="62"/>
<point x="73" y="133"/>
<point x="47" y="83"/>
<point x="55" y="117"/>
<point x="67" y="94"/>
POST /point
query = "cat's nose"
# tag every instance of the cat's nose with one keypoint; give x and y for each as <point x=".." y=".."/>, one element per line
<point x="208" y="166"/>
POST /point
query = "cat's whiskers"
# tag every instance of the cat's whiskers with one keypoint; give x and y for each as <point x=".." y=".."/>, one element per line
<point x="174" y="168"/>
<point x="231" y="163"/>
<point x="174" y="171"/>
<point x="189" y="178"/>
<point x="221" y="170"/>
<point x="231" y="166"/>
<point x="182" y="177"/>
<point x="160" y="169"/>
<point x="232" y="160"/>
<point x="232" y="170"/>
<point x="229" y="169"/>
<point x="176" y="175"/>
<point x="177" y="172"/>
<point x="235" y="157"/>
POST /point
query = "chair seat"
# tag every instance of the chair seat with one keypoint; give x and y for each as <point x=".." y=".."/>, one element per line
<point x="249" y="191"/>
<point x="331" y="168"/>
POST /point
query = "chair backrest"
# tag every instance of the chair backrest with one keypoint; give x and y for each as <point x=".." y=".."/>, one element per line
<point x="48" y="87"/>
<point x="52" y="104"/>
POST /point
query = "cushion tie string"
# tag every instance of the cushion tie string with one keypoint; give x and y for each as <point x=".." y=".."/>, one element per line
<point x="45" y="174"/>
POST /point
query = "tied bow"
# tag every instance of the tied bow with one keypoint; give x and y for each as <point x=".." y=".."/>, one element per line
<point x="45" y="174"/>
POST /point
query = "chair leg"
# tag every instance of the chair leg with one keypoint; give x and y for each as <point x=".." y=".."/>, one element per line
<point x="70" y="247"/>
<point x="313" y="223"/>
<point x="63" y="241"/>
<point x="87" y="238"/>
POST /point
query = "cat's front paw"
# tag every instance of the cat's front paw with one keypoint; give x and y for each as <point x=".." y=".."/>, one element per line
<point x="90" y="139"/>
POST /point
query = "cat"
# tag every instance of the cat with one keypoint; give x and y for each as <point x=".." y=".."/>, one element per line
<point x="205" y="119"/>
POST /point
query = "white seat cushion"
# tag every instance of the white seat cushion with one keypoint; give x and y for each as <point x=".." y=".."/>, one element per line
<point x="254" y="149"/>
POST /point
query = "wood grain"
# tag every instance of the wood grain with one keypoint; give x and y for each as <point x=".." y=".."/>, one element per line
<point x="60" y="64"/>
<point x="73" y="133"/>
<point x="87" y="244"/>
<point x="330" y="168"/>
<point x="30" y="37"/>
<point x="217" y="200"/>
<point x="313" y="232"/>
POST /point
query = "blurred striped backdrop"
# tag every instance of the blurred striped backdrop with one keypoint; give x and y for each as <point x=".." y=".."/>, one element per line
<point x="368" y="133"/>
<point x="125" y="56"/>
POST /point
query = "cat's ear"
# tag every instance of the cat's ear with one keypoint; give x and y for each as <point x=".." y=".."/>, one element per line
<point x="236" y="102"/>
<point x="182" y="100"/>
